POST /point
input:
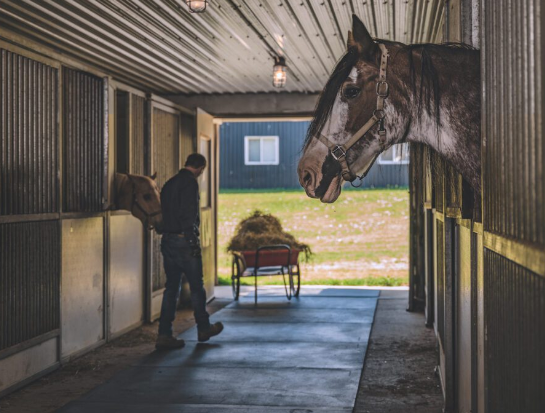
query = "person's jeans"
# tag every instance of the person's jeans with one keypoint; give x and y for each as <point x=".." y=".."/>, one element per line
<point x="179" y="256"/>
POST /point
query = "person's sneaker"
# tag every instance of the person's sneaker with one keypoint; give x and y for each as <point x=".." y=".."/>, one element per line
<point x="214" y="330"/>
<point x="168" y="343"/>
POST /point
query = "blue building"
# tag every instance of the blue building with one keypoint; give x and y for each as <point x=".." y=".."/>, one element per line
<point x="264" y="155"/>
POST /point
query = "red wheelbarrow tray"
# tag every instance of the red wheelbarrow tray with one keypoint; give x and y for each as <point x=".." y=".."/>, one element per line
<point x="270" y="258"/>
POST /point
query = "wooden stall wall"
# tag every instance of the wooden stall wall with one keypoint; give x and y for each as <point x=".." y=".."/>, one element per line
<point x="64" y="131"/>
<point x="444" y="249"/>
<point x="513" y="200"/>
<point x="487" y="303"/>
<point x="457" y="263"/>
<point x="417" y="253"/>
<point x="30" y="239"/>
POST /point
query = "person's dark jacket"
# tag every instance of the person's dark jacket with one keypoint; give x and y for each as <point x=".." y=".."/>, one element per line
<point x="180" y="204"/>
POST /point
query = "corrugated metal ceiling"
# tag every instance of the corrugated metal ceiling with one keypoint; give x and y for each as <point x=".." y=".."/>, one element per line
<point x="157" y="45"/>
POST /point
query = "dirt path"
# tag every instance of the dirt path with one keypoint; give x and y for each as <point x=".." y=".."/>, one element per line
<point x="398" y="376"/>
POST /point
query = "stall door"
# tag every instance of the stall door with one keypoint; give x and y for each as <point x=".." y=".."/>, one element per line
<point x="207" y="182"/>
<point x="165" y="157"/>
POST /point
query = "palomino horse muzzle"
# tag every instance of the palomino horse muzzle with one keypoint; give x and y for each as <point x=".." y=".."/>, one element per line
<point x="338" y="152"/>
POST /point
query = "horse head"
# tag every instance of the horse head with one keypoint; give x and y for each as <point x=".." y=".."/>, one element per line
<point x="140" y="195"/>
<point x="347" y="103"/>
<point x="424" y="93"/>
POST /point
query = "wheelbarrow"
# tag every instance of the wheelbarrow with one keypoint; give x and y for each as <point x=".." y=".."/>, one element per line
<point x="266" y="261"/>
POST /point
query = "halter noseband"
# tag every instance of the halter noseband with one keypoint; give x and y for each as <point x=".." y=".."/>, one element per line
<point x="137" y="204"/>
<point x="339" y="151"/>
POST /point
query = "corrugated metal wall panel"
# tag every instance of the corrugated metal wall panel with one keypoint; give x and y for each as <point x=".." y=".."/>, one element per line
<point x="28" y="136"/>
<point x="138" y="119"/>
<point x="513" y="200"/>
<point x="29" y="281"/>
<point x="166" y="149"/>
<point x="83" y="141"/>
<point x="234" y="174"/>
<point x="515" y="346"/>
<point x="513" y="135"/>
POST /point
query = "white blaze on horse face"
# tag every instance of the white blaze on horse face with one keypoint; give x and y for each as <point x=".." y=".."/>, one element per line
<point x="353" y="76"/>
<point x="334" y="128"/>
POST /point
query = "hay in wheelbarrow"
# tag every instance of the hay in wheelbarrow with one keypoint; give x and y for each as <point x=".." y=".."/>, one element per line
<point x="261" y="229"/>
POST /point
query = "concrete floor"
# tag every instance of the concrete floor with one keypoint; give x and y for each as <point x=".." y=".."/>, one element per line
<point x="281" y="356"/>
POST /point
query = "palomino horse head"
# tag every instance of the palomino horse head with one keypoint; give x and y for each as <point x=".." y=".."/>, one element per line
<point x="348" y="101"/>
<point x="140" y="195"/>
<point x="382" y="93"/>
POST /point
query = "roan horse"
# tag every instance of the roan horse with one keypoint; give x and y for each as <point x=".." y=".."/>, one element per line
<point x="139" y="195"/>
<point x="382" y="93"/>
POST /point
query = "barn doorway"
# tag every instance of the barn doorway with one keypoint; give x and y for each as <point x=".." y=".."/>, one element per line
<point x="360" y="240"/>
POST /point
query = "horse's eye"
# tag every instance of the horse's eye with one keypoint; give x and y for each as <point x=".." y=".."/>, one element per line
<point x="351" y="92"/>
<point x="147" y="197"/>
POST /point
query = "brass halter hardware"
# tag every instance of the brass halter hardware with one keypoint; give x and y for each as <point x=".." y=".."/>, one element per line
<point x="338" y="152"/>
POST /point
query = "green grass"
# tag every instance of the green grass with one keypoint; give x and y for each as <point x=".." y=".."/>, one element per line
<point x="362" y="239"/>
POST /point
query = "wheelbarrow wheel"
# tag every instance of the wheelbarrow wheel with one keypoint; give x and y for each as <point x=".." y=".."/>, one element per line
<point x="235" y="277"/>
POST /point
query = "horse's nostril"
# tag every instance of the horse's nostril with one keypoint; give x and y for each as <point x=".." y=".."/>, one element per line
<point x="308" y="178"/>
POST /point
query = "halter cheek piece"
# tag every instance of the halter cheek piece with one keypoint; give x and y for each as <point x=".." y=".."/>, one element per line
<point x="136" y="204"/>
<point x="339" y="151"/>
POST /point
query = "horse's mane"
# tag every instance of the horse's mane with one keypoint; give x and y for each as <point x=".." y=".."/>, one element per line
<point x="427" y="89"/>
<point x="425" y="85"/>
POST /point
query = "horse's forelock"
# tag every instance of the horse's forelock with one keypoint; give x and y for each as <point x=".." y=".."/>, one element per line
<point x="330" y="91"/>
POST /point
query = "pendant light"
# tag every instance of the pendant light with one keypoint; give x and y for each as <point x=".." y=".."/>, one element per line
<point x="196" y="6"/>
<point x="279" y="72"/>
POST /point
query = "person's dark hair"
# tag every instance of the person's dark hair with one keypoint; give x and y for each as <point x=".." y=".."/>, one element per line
<point x="195" y="160"/>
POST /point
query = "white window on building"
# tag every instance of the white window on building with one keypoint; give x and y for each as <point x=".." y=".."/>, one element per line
<point x="395" y="155"/>
<point x="261" y="150"/>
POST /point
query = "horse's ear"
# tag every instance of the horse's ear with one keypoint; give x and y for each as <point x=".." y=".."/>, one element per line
<point x="350" y="40"/>
<point x="154" y="176"/>
<point x="363" y="40"/>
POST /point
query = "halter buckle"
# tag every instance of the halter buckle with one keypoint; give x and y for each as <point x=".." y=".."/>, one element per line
<point x="383" y="89"/>
<point x="335" y="150"/>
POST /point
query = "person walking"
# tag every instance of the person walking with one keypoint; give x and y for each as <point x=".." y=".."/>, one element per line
<point x="181" y="249"/>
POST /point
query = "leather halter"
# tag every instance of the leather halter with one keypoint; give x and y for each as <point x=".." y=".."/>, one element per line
<point x="339" y="151"/>
<point x="137" y="204"/>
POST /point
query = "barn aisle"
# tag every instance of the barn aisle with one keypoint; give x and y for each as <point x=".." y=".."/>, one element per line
<point x="282" y="356"/>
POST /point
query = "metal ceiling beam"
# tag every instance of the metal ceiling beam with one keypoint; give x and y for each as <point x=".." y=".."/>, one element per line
<point x="251" y="104"/>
